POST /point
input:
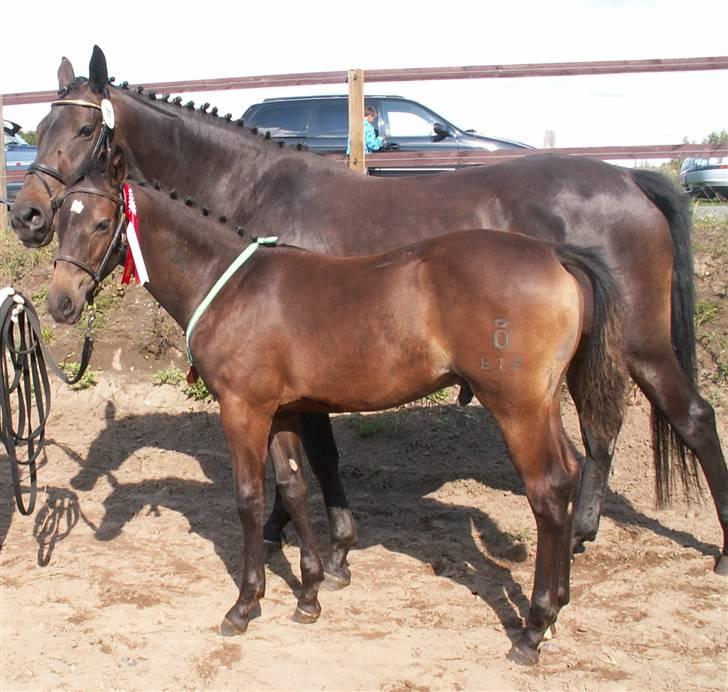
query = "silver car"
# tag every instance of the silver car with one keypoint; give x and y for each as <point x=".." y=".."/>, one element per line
<point x="705" y="177"/>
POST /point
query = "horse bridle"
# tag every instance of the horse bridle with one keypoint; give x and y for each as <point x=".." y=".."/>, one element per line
<point x="103" y="143"/>
<point x="116" y="240"/>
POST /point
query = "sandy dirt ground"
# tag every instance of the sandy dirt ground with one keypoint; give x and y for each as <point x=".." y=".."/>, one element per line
<point x="122" y="576"/>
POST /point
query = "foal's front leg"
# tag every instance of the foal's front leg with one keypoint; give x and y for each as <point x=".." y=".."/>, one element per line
<point x="247" y="432"/>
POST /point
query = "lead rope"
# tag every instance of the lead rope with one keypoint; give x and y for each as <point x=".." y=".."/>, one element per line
<point x="25" y="396"/>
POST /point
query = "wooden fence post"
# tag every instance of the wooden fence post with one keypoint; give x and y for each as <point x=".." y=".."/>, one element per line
<point x="3" y="179"/>
<point x="356" y="161"/>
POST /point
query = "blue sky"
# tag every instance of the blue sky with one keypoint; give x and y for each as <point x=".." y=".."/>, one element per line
<point x="152" y="41"/>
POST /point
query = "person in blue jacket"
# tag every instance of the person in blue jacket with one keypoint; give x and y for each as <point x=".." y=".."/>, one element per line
<point x="371" y="141"/>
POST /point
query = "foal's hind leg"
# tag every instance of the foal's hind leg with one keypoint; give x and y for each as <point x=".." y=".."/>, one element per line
<point x="693" y="419"/>
<point x="291" y="487"/>
<point x="535" y="445"/>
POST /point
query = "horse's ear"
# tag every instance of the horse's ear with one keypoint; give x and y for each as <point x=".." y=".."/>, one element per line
<point x="65" y="73"/>
<point x="117" y="166"/>
<point x="98" y="75"/>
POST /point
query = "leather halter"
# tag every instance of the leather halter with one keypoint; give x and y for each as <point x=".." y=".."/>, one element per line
<point x="102" y="142"/>
<point x="116" y="240"/>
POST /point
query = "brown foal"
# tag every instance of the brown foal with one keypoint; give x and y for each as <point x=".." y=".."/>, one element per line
<point x="294" y="331"/>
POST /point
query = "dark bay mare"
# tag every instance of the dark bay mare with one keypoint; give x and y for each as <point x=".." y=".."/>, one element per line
<point x="294" y="331"/>
<point x="244" y="181"/>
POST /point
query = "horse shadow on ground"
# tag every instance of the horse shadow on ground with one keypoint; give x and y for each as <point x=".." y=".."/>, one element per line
<point x="389" y="460"/>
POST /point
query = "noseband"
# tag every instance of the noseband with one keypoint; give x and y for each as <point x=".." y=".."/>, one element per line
<point x="116" y="240"/>
<point x="102" y="143"/>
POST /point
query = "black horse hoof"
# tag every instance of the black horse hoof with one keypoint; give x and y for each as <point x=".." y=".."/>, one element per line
<point x="335" y="581"/>
<point x="304" y="617"/>
<point x="234" y="624"/>
<point x="230" y="629"/>
<point x="523" y="654"/>
<point x="721" y="566"/>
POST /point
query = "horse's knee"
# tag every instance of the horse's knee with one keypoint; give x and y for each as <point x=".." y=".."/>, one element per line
<point x="250" y="502"/>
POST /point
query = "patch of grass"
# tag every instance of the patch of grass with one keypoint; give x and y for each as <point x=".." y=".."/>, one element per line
<point x="171" y="375"/>
<point x="40" y="296"/>
<point x="438" y="398"/>
<point x="16" y="261"/>
<point x="89" y="379"/>
<point x="198" y="391"/>
<point x="47" y="334"/>
<point x="372" y="426"/>
<point x="174" y="376"/>
<point x="710" y="236"/>
<point x="705" y="312"/>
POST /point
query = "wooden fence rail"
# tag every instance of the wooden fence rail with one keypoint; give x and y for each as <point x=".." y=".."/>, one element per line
<point x="449" y="159"/>
<point x="471" y="158"/>
<point x="415" y="74"/>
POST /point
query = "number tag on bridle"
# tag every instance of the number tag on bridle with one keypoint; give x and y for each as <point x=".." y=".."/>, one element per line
<point x="107" y="113"/>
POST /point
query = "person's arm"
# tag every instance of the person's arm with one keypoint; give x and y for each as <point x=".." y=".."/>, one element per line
<point x="371" y="141"/>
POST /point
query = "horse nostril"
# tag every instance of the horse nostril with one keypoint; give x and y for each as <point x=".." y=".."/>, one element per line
<point x="28" y="216"/>
<point x="66" y="306"/>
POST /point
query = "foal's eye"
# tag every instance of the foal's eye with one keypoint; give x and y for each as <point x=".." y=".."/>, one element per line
<point x="86" y="130"/>
<point x="102" y="226"/>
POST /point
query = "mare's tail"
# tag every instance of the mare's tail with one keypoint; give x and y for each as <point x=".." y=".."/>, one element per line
<point x="668" y="449"/>
<point x="602" y="379"/>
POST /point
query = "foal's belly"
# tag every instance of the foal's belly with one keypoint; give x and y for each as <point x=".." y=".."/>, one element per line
<point x="371" y="370"/>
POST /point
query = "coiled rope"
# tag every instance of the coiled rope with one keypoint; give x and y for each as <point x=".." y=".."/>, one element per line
<point x="25" y="396"/>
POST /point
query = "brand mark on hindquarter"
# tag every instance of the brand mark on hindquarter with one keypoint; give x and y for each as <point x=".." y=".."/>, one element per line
<point x="501" y="340"/>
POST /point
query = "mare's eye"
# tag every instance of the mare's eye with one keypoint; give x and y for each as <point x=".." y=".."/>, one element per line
<point x="86" y="131"/>
<point x="102" y="226"/>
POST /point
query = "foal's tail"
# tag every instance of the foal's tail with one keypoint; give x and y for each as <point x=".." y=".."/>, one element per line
<point x="600" y="386"/>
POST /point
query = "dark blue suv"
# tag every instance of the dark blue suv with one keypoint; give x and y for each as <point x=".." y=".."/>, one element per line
<point x="322" y="123"/>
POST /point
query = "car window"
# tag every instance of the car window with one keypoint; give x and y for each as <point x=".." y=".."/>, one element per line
<point x="329" y="119"/>
<point x="406" y="120"/>
<point x="282" y="118"/>
<point x="704" y="162"/>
